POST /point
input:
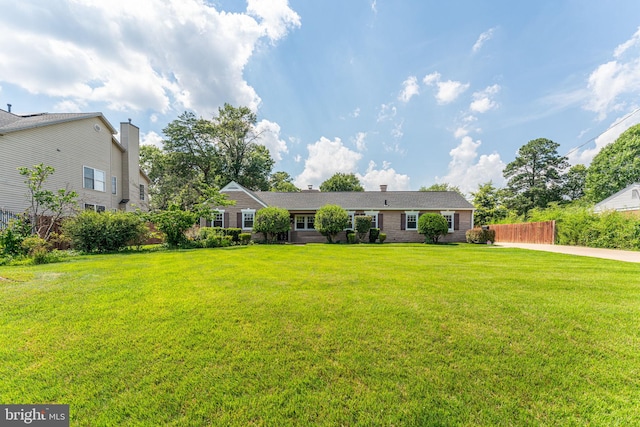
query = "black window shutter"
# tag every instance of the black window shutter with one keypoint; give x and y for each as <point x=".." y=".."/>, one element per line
<point x="403" y="221"/>
<point x="456" y="221"/>
<point x="380" y="221"/>
<point x="239" y="219"/>
<point x="226" y="220"/>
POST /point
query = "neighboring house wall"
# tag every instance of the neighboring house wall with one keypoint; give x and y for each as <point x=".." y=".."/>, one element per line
<point x="626" y="200"/>
<point x="68" y="147"/>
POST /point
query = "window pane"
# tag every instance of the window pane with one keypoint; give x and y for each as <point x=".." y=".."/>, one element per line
<point x="114" y="185"/>
<point x="248" y="220"/>
<point x="99" y="180"/>
<point x="88" y="178"/>
<point x="310" y="222"/>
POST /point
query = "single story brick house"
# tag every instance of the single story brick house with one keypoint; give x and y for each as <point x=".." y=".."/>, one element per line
<point x="396" y="213"/>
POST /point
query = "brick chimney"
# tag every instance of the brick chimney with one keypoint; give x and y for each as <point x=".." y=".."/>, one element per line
<point x="383" y="187"/>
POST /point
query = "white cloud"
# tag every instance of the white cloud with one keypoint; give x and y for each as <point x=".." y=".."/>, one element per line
<point x="151" y="138"/>
<point x="360" y="142"/>
<point x="355" y="113"/>
<point x="373" y="178"/>
<point x="326" y="157"/>
<point x="482" y="100"/>
<point x="614" y="84"/>
<point x="374" y="6"/>
<point x="270" y="138"/>
<point x="467" y="173"/>
<point x="387" y="112"/>
<point x="448" y="91"/>
<point x="161" y="55"/>
<point x="410" y="88"/>
<point x="484" y="37"/>
<point x="277" y="17"/>
<point x="431" y="79"/>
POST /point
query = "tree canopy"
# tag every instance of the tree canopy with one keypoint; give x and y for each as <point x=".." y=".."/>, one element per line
<point x="200" y="155"/>
<point x="615" y="167"/>
<point x="488" y="203"/>
<point x="342" y="182"/>
<point x="444" y="186"/>
<point x="282" y="182"/>
<point x="535" y="177"/>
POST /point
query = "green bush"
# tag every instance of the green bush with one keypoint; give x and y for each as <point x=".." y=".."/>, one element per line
<point x="174" y="223"/>
<point x="11" y="237"/>
<point x="213" y="237"/>
<point x="270" y="221"/>
<point x="363" y="225"/>
<point x="374" y="233"/>
<point x="330" y="220"/>
<point x="106" y="231"/>
<point x="382" y="237"/>
<point x="234" y="233"/>
<point x="351" y="237"/>
<point x="244" y="238"/>
<point x="433" y="226"/>
<point x="478" y="235"/>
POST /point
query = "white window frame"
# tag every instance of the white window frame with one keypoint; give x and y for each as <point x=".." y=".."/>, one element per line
<point x="94" y="207"/>
<point x="352" y="220"/>
<point x="307" y="225"/>
<point x="114" y="185"/>
<point x="406" y="223"/>
<point x="245" y="216"/>
<point x="374" y="217"/>
<point x="450" y="217"/>
<point x="218" y="213"/>
<point x="96" y="183"/>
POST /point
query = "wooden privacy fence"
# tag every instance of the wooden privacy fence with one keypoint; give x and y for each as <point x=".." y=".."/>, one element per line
<point x="526" y="232"/>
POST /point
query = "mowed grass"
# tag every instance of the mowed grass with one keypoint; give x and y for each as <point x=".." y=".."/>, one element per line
<point x="326" y="335"/>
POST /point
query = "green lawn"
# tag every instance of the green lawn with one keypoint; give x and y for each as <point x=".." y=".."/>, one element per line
<point x="325" y="335"/>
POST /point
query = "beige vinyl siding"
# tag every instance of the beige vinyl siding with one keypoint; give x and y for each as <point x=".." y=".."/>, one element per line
<point x="67" y="147"/>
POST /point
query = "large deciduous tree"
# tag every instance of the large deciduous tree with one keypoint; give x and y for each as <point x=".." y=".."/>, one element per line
<point x="535" y="176"/>
<point x="573" y="187"/>
<point x="616" y="166"/>
<point x="488" y="203"/>
<point x="242" y="159"/>
<point x="199" y="155"/>
<point x="282" y="182"/>
<point x="444" y="186"/>
<point x="342" y="182"/>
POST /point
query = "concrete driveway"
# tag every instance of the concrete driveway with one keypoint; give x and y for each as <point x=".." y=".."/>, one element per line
<point x="615" y="254"/>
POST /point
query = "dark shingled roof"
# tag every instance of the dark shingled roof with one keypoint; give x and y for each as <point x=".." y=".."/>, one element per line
<point x="10" y="122"/>
<point x="367" y="200"/>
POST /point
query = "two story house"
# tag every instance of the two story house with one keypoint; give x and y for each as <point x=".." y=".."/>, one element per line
<point x="85" y="152"/>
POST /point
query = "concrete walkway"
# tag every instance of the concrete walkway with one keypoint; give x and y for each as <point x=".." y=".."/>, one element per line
<point x="615" y="254"/>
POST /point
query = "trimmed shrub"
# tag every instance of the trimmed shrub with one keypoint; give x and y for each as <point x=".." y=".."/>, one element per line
<point x="351" y="237"/>
<point x="210" y="237"/>
<point x="382" y="237"/>
<point x="174" y="223"/>
<point x="105" y="232"/>
<point x="374" y="233"/>
<point x="363" y="225"/>
<point x="244" y="238"/>
<point x="433" y="226"/>
<point x="270" y="221"/>
<point x="479" y="235"/>
<point x="330" y="220"/>
<point x="234" y="233"/>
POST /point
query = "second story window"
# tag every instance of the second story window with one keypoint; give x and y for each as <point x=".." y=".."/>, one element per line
<point x="94" y="179"/>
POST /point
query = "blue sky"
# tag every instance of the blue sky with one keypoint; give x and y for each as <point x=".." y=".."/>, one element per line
<point x="404" y="93"/>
